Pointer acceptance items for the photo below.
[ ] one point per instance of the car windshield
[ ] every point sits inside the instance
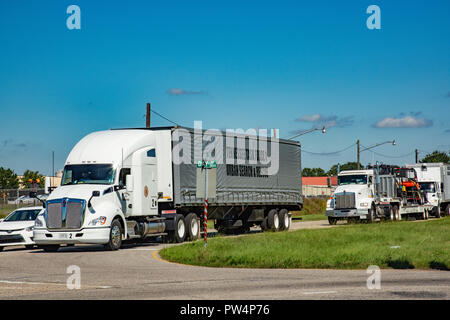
(352, 179)
(88, 174)
(23, 215)
(427, 186)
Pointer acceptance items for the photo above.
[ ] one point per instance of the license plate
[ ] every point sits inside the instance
(65, 236)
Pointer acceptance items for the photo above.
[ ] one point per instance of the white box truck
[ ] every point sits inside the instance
(434, 180)
(381, 192)
(124, 184)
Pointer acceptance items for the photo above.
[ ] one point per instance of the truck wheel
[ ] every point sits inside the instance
(285, 221)
(193, 228)
(332, 220)
(179, 234)
(371, 214)
(115, 236)
(273, 220)
(1, 248)
(447, 210)
(263, 224)
(438, 212)
(396, 213)
(391, 214)
(50, 247)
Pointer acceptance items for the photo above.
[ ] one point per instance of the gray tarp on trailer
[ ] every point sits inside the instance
(239, 183)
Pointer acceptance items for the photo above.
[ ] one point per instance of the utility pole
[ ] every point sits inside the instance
(417, 156)
(358, 152)
(147, 123)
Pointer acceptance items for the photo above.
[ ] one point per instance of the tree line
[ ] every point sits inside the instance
(435, 156)
(10, 180)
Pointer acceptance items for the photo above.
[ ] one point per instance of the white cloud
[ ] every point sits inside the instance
(179, 92)
(404, 122)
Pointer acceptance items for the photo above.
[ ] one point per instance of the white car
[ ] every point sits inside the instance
(17, 227)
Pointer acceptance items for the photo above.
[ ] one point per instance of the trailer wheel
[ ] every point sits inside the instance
(179, 234)
(332, 220)
(115, 236)
(447, 210)
(285, 221)
(273, 220)
(193, 227)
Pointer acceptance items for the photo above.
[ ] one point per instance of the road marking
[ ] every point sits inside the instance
(319, 292)
(26, 282)
(49, 283)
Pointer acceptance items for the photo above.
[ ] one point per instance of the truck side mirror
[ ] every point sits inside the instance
(129, 183)
(95, 193)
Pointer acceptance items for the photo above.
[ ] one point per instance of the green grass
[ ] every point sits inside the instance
(423, 245)
(313, 209)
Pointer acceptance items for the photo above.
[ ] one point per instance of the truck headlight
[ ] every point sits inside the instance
(364, 204)
(98, 221)
(29, 229)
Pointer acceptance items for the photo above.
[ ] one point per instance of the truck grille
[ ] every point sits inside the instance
(345, 200)
(65, 213)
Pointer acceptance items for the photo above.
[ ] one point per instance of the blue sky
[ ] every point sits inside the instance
(291, 65)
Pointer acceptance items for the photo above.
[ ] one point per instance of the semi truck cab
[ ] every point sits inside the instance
(109, 184)
(353, 197)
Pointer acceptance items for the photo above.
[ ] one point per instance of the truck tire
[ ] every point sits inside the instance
(50, 247)
(273, 220)
(396, 213)
(332, 220)
(1, 248)
(391, 214)
(371, 214)
(115, 236)
(437, 214)
(285, 221)
(193, 227)
(179, 234)
(447, 210)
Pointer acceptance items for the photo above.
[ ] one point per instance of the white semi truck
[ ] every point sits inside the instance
(434, 180)
(125, 184)
(378, 193)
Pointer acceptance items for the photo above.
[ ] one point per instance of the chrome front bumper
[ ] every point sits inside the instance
(347, 213)
(83, 236)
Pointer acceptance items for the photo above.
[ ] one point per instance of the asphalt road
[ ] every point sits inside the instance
(137, 272)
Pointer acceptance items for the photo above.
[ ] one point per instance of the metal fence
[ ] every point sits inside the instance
(11, 199)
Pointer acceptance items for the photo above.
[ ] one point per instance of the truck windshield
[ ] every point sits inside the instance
(427, 187)
(353, 179)
(88, 174)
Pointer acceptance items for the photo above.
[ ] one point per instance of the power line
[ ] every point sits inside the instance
(329, 153)
(383, 155)
(158, 114)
